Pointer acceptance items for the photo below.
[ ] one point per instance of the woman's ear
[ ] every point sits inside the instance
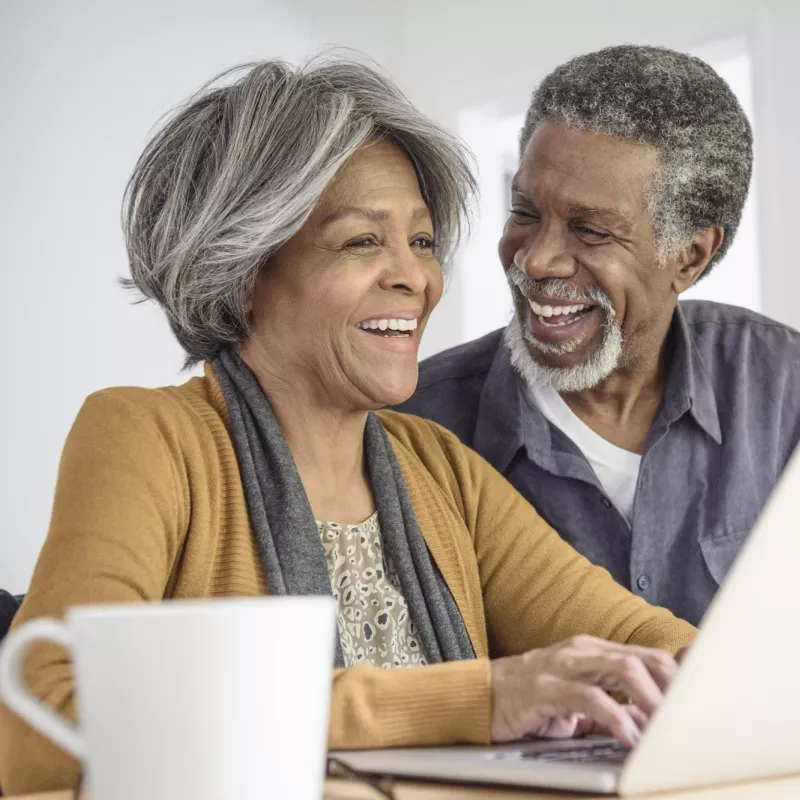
(693, 260)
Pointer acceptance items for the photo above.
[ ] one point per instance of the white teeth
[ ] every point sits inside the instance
(390, 324)
(547, 311)
(554, 311)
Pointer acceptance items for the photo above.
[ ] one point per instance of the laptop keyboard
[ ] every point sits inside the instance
(585, 753)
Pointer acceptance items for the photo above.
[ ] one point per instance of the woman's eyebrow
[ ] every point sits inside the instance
(370, 214)
(355, 211)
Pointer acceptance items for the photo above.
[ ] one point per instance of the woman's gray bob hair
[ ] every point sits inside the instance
(236, 172)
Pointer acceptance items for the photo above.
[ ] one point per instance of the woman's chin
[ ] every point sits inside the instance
(391, 391)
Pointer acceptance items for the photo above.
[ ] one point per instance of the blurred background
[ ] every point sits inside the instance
(84, 81)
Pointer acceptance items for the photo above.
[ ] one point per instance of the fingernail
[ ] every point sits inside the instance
(633, 732)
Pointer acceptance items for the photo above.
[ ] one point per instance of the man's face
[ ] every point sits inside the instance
(579, 252)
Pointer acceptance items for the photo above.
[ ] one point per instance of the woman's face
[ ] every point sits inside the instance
(341, 307)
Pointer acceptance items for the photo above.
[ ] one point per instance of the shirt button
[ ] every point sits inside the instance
(606, 502)
(643, 582)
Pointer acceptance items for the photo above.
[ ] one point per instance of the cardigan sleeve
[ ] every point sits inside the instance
(437, 704)
(115, 531)
(537, 589)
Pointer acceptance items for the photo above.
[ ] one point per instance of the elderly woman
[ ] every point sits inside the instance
(293, 226)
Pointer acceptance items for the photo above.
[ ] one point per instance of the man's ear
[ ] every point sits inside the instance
(692, 261)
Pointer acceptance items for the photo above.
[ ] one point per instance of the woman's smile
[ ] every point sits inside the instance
(396, 331)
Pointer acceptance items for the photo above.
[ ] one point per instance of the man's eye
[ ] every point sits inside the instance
(521, 215)
(592, 233)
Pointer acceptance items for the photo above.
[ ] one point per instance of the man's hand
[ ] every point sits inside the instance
(561, 691)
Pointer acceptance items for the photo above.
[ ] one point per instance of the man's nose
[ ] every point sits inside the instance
(546, 254)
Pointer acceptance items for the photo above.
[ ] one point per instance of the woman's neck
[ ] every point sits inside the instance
(325, 440)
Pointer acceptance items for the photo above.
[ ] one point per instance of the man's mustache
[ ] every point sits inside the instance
(558, 289)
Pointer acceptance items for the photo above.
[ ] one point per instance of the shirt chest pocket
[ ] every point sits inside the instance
(719, 553)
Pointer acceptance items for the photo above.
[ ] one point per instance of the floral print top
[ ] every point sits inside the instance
(374, 624)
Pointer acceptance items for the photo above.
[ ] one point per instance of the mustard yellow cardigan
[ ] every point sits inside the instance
(149, 504)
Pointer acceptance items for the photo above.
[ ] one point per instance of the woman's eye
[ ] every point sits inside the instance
(424, 242)
(521, 215)
(365, 241)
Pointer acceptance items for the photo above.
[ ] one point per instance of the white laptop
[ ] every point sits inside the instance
(732, 714)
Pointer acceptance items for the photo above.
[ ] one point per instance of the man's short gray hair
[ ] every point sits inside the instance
(679, 106)
(237, 171)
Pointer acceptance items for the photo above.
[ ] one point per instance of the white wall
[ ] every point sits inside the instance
(775, 36)
(737, 279)
(83, 84)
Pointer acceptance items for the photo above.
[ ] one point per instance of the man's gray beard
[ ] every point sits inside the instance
(583, 376)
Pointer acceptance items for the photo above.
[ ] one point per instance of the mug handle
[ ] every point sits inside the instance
(15, 693)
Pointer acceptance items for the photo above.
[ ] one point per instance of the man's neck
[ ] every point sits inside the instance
(623, 407)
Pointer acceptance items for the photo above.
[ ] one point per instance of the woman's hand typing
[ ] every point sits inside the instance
(560, 691)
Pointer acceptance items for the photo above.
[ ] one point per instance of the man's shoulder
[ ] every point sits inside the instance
(463, 362)
(450, 385)
(723, 327)
(745, 354)
(705, 315)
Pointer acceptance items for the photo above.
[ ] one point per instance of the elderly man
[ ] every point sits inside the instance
(648, 432)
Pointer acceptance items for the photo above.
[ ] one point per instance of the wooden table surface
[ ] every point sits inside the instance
(777, 789)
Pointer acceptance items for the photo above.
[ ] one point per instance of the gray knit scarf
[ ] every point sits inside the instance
(284, 524)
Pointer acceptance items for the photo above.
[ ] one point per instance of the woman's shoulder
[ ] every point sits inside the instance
(424, 445)
(422, 436)
(196, 404)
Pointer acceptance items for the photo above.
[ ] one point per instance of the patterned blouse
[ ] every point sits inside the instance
(374, 624)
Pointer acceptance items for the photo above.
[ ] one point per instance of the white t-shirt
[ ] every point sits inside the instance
(616, 469)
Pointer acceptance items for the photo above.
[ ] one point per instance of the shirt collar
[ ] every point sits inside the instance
(507, 420)
(689, 387)
(499, 431)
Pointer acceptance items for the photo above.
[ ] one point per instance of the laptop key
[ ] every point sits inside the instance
(582, 754)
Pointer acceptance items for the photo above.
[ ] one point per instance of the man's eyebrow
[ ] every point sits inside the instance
(610, 214)
(582, 210)
(370, 214)
(516, 190)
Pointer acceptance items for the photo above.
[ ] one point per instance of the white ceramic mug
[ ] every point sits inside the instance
(198, 699)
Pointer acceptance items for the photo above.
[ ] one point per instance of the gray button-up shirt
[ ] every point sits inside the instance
(726, 426)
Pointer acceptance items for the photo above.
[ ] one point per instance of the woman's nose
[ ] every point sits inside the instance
(407, 272)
